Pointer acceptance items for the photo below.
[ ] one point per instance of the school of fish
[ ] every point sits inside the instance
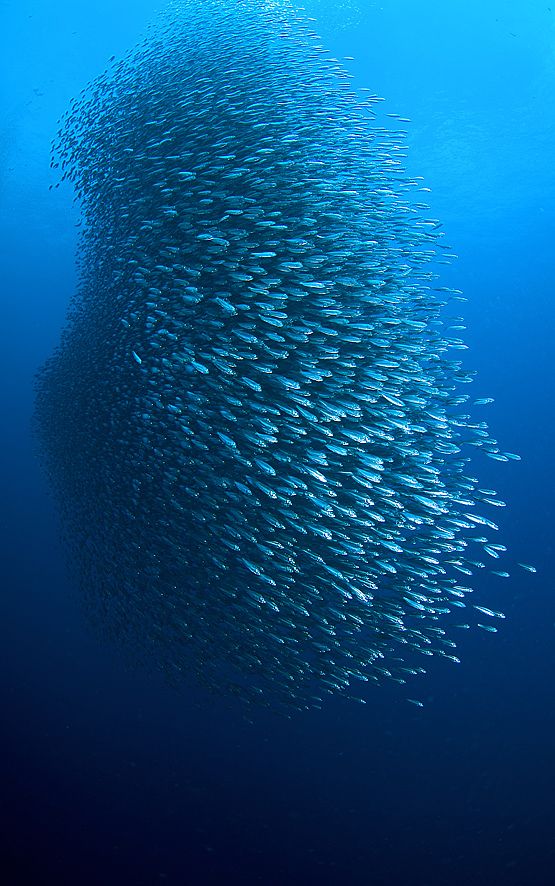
(256, 422)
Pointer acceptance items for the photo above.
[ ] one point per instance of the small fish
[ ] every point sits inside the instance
(528, 567)
(279, 502)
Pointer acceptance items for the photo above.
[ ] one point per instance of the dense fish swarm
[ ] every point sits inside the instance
(254, 421)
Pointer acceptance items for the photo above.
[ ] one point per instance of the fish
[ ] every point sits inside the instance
(527, 567)
(254, 423)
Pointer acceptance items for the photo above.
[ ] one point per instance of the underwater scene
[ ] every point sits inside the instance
(277, 491)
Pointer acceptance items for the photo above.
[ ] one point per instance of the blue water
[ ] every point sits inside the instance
(109, 776)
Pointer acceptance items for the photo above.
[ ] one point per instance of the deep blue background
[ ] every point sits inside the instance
(110, 777)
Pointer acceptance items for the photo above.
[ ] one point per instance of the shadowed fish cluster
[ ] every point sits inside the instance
(254, 420)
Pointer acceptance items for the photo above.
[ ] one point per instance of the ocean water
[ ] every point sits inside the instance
(109, 775)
